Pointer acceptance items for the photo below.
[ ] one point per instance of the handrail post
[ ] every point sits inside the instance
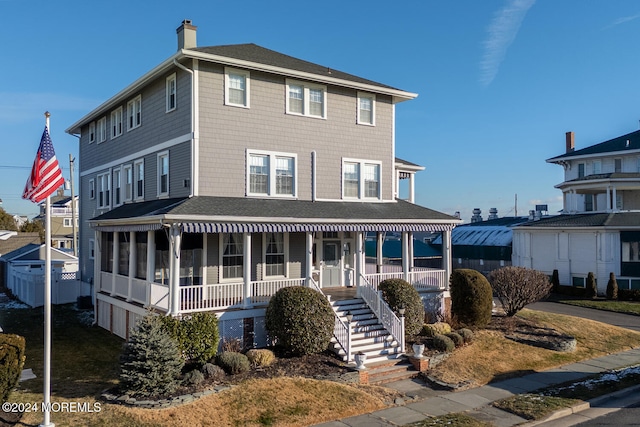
(402, 331)
(348, 341)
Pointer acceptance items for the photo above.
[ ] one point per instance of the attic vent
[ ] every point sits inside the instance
(627, 144)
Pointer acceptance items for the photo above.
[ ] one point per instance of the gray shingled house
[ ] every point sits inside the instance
(228, 172)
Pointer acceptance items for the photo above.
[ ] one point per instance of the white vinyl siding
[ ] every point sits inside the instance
(237, 84)
(134, 113)
(171, 92)
(306, 99)
(271, 174)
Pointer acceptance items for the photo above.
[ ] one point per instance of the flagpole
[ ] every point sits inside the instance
(47, 309)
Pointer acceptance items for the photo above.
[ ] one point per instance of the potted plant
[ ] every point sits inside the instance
(418, 349)
(360, 358)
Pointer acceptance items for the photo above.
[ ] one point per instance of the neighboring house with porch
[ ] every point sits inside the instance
(599, 228)
(61, 219)
(228, 172)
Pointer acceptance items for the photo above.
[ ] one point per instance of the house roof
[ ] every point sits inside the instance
(613, 146)
(18, 241)
(248, 56)
(607, 176)
(612, 220)
(494, 232)
(254, 210)
(37, 252)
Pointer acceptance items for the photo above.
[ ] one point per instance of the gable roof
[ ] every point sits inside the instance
(248, 56)
(37, 252)
(18, 241)
(613, 146)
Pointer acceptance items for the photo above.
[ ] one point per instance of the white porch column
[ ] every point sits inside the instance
(175, 246)
(410, 247)
(246, 268)
(446, 256)
(132, 262)
(114, 263)
(608, 199)
(412, 188)
(614, 199)
(151, 263)
(405, 255)
(359, 263)
(308, 258)
(379, 244)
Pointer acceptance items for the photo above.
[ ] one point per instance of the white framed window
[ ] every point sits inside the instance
(581, 168)
(171, 91)
(306, 99)
(104, 190)
(92, 189)
(366, 109)
(617, 165)
(92, 248)
(134, 113)
(163, 173)
(117, 187)
(231, 256)
(66, 222)
(275, 254)
(127, 176)
(597, 167)
(138, 179)
(102, 130)
(92, 132)
(236, 87)
(116, 122)
(271, 174)
(361, 179)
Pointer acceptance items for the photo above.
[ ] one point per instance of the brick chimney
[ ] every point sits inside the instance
(186, 35)
(571, 141)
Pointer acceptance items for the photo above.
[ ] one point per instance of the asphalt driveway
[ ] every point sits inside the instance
(627, 321)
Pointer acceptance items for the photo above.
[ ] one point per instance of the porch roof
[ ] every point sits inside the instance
(231, 214)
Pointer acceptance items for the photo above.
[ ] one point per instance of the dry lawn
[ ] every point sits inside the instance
(492, 356)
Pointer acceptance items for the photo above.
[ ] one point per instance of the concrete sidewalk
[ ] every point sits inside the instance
(425, 402)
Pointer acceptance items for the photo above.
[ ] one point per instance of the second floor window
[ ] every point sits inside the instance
(366, 110)
(139, 179)
(171, 93)
(102, 130)
(117, 187)
(163, 174)
(134, 113)
(271, 174)
(236, 87)
(104, 190)
(597, 166)
(361, 179)
(617, 164)
(127, 172)
(306, 99)
(116, 123)
(92, 132)
(92, 189)
(351, 179)
(580, 170)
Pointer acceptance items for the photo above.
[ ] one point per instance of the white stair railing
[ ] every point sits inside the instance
(341, 330)
(384, 313)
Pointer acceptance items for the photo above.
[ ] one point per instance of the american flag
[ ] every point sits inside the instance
(46, 175)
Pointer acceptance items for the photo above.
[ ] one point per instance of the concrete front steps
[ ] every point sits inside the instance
(368, 335)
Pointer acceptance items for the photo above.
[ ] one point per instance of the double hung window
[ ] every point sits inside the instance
(116, 123)
(102, 130)
(271, 174)
(104, 190)
(232, 256)
(163, 174)
(274, 262)
(138, 167)
(134, 112)
(366, 109)
(306, 99)
(361, 179)
(237, 84)
(171, 91)
(117, 187)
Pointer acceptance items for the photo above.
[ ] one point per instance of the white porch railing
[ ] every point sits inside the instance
(373, 298)
(211, 297)
(262, 291)
(341, 330)
(421, 278)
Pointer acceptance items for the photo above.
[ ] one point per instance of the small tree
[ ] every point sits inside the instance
(516, 287)
(612, 287)
(555, 281)
(592, 286)
(12, 357)
(471, 298)
(151, 362)
(7, 222)
(196, 334)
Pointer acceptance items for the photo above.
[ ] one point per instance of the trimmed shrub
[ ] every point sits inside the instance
(300, 319)
(151, 362)
(433, 329)
(555, 281)
(260, 357)
(471, 298)
(212, 372)
(629, 294)
(443, 343)
(12, 357)
(456, 338)
(196, 334)
(194, 377)
(400, 294)
(233, 363)
(516, 287)
(592, 287)
(612, 287)
(466, 334)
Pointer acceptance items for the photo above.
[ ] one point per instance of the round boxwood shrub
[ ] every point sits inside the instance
(260, 357)
(233, 363)
(471, 298)
(456, 338)
(466, 334)
(443, 343)
(194, 377)
(400, 294)
(300, 319)
(433, 329)
(212, 372)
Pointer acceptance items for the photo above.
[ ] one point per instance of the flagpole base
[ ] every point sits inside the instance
(47, 425)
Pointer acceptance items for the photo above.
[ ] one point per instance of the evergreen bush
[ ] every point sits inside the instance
(194, 377)
(466, 334)
(612, 287)
(12, 357)
(555, 281)
(150, 363)
(233, 363)
(433, 329)
(443, 343)
(197, 335)
(400, 294)
(592, 287)
(260, 357)
(213, 372)
(516, 287)
(471, 298)
(456, 338)
(300, 320)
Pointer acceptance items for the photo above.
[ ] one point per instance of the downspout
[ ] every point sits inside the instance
(195, 152)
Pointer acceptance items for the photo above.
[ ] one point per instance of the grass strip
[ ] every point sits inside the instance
(625, 307)
(534, 406)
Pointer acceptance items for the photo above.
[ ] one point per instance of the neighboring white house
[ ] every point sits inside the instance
(599, 228)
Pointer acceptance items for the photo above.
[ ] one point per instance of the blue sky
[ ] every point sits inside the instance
(499, 81)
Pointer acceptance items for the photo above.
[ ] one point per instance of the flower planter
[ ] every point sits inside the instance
(360, 359)
(418, 349)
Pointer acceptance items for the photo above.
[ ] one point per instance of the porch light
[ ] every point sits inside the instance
(349, 317)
